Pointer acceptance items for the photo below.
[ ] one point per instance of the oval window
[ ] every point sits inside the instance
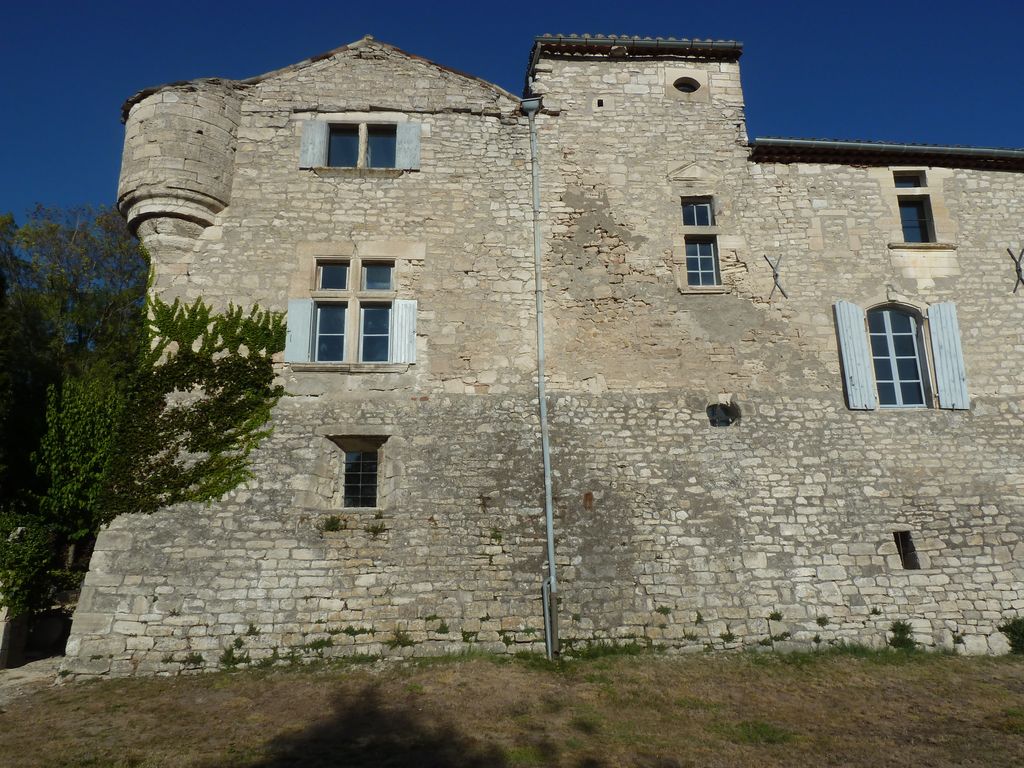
(686, 85)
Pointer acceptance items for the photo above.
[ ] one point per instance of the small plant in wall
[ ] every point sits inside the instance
(902, 636)
(332, 524)
(400, 639)
(1014, 631)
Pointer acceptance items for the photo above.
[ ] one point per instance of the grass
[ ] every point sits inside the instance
(846, 706)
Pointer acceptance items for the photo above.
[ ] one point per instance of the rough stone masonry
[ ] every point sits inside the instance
(841, 449)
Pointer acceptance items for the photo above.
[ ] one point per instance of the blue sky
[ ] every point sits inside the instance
(934, 72)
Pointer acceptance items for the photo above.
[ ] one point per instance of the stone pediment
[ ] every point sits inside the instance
(694, 171)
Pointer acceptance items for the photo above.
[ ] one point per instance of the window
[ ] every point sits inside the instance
(916, 220)
(884, 359)
(916, 210)
(353, 316)
(896, 355)
(361, 478)
(700, 243)
(701, 262)
(698, 213)
(906, 550)
(360, 145)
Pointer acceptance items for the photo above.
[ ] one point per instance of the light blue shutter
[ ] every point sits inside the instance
(948, 357)
(853, 346)
(407, 146)
(313, 150)
(299, 329)
(403, 332)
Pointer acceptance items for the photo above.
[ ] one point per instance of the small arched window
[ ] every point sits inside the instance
(897, 357)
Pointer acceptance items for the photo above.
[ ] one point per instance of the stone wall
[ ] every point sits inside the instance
(669, 530)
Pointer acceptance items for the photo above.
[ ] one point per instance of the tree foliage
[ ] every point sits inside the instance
(110, 404)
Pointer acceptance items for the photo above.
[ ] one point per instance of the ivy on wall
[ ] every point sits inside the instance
(196, 408)
(180, 427)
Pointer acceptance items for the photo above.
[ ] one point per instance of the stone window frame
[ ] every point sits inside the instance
(305, 294)
(355, 298)
(700, 234)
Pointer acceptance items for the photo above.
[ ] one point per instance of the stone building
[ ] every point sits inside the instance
(782, 376)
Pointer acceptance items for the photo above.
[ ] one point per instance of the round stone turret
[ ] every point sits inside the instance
(179, 153)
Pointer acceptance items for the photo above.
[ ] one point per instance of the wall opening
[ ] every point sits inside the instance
(723, 414)
(907, 551)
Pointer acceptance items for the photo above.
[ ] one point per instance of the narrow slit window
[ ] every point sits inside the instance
(907, 552)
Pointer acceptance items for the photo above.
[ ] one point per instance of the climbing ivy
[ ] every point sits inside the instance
(180, 427)
(196, 407)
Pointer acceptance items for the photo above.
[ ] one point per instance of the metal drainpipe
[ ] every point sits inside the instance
(531, 107)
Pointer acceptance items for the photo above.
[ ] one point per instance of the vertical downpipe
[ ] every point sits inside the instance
(550, 593)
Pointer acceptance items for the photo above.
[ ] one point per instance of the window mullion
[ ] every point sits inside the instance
(363, 145)
(890, 343)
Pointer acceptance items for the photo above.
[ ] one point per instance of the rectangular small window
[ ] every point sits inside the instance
(698, 212)
(333, 276)
(377, 276)
(702, 262)
(905, 547)
(361, 478)
(330, 332)
(381, 141)
(908, 179)
(343, 148)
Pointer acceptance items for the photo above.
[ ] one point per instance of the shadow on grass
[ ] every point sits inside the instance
(365, 730)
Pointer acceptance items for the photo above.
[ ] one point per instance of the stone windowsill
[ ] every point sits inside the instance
(350, 367)
(360, 173)
(923, 246)
(709, 290)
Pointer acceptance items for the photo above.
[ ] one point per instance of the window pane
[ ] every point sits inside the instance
(883, 369)
(879, 346)
(907, 367)
(886, 394)
(905, 180)
(911, 392)
(343, 150)
(330, 349)
(876, 322)
(380, 146)
(689, 215)
(901, 322)
(375, 349)
(334, 277)
(903, 345)
(377, 277)
(332, 318)
(376, 320)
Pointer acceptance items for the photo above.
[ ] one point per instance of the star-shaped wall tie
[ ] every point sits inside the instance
(1017, 265)
(775, 277)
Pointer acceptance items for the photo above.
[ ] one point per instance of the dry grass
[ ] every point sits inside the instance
(831, 709)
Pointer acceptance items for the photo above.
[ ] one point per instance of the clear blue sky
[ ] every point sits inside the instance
(936, 72)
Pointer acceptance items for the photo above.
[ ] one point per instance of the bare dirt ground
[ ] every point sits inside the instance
(827, 709)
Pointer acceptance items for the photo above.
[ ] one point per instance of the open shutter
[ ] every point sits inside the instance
(299, 329)
(856, 357)
(407, 146)
(948, 357)
(403, 332)
(313, 150)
